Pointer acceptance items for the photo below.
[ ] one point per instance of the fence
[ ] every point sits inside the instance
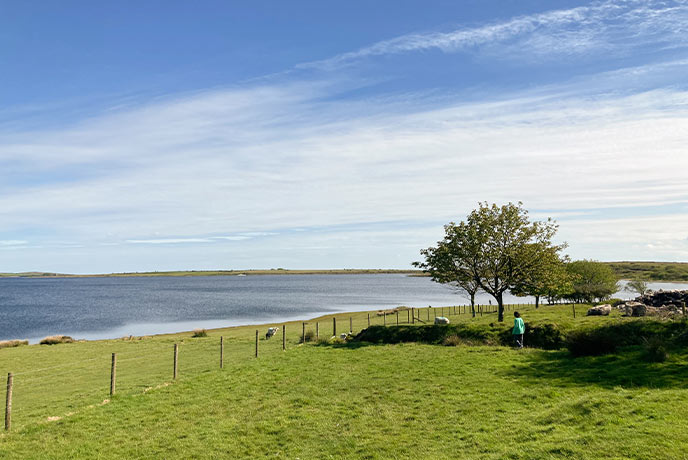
(136, 365)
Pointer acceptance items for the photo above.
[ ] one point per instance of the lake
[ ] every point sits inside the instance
(111, 307)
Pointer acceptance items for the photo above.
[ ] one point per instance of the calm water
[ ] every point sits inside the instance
(96, 308)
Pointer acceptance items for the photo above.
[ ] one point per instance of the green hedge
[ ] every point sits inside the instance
(547, 336)
(582, 342)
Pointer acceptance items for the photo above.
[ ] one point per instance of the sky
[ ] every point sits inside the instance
(165, 135)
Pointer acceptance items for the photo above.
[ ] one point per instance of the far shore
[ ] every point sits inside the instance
(275, 271)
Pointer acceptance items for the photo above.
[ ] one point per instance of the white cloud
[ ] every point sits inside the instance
(233, 238)
(171, 241)
(12, 242)
(600, 26)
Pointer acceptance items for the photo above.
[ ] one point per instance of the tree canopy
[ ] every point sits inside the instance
(591, 281)
(497, 248)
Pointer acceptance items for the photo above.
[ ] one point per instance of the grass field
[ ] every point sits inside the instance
(344, 401)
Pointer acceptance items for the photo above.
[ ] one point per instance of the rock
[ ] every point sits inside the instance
(632, 308)
(600, 310)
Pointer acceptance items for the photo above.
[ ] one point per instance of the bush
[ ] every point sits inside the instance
(55, 339)
(200, 333)
(654, 350)
(13, 343)
(546, 336)
(309, 337)
(452, 341)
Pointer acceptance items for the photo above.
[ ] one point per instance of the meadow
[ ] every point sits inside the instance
(353, 400)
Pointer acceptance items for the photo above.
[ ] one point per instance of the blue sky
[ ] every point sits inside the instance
(170, 135)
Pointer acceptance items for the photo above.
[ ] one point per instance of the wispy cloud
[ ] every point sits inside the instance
(233, 238)
(283, 157)
(12, 242)
(171, 241)
(601, 26)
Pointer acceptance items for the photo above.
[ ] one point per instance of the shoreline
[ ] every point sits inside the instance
(190, 273)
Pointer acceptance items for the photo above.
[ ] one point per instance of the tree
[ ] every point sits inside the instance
(547, 278)
(443, 263)
(591, 281)
(638, 286)
(496, 247)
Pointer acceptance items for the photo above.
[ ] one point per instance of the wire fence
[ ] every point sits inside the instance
(135, 366)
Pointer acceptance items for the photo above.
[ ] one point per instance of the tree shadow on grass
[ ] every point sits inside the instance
(628, 368)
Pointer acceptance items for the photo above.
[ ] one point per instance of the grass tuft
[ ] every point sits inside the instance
(55, 339)
(13, 343)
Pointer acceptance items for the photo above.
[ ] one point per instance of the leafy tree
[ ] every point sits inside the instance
(591, 281)
(547, 278)
(496, 247)
(443, 263)
(638, 286)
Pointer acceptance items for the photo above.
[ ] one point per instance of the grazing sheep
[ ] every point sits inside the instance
(600, 310)
(441, 320)
(271, 331)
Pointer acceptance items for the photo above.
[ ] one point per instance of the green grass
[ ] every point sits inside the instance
(345, 401)
(651, 271)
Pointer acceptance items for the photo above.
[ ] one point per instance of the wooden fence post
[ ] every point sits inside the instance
(303, 332)
(368, 319)
(317, 330)
(222, 352)
(334, 326)
(284, 337)
(351, 325)
(113, 374)
(683, 307)
(408, 316)
(384, 318)
(256, 343)
(429, 313)
(8, 402)
(413, 315)
(176, 360)
(397, 317)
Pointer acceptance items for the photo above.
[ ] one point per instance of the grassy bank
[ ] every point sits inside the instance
(358, 400)
(651, 271)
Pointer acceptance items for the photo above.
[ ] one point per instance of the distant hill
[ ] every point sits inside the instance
(651, 271)
(275, 271)
(648, 271)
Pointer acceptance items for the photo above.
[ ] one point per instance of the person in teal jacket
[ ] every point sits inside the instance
(519, 329)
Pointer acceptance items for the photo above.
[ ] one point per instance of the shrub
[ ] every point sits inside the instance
(654, 350)
(452, 341)
(13, 343)
(546, 336)
(309, 336)
(200, 333)
(55, 339)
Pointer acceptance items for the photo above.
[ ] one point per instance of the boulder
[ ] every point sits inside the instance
(600, 310)
(635, 309)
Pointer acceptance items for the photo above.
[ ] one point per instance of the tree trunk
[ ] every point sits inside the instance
(500, 302)
(473, 304)
(537, 302)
